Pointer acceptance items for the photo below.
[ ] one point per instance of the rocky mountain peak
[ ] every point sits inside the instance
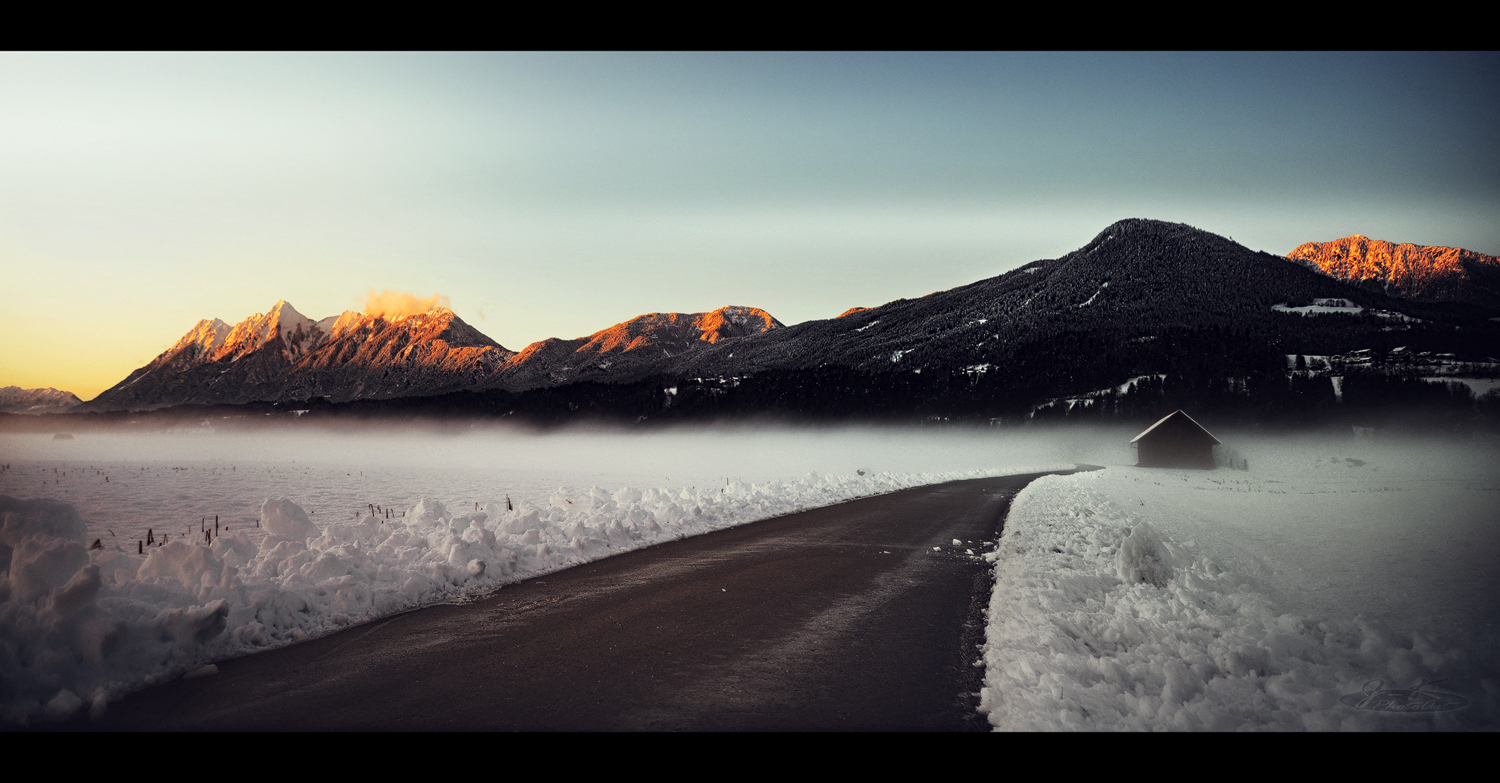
(1426, 273)
(203, 339)
(734, 321)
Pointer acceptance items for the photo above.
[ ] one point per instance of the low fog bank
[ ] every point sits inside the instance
(131, 482)
(746, 446)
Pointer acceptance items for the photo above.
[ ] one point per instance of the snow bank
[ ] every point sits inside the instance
(1282, 598)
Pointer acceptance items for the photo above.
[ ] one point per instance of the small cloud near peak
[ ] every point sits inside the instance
(397, 304)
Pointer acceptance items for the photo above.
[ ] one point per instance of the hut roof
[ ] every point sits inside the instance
(1181, 423)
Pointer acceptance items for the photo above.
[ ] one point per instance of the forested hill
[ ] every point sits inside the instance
(1135, 280)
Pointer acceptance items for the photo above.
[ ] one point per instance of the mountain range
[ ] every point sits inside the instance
(1115, 307)
(284, 355)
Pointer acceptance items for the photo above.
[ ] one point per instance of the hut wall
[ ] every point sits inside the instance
(1175, 453)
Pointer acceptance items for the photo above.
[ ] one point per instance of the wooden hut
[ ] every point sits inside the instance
(1175, 442)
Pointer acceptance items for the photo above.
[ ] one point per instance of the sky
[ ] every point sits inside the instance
(556, 194)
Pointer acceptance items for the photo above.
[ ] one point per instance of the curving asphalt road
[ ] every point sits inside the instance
(859, 616)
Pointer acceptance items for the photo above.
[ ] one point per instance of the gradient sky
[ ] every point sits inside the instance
(554, 195)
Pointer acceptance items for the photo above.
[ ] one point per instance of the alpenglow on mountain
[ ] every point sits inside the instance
(627, 351)
(283, 355)
(1419, 272)
(1143, 297)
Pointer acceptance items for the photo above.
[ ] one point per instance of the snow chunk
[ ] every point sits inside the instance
(426, 513)
(191, 565)
(1141, 558)
(283, 519)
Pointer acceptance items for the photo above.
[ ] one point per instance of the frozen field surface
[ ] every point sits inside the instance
(1315, 591)
(318, 529)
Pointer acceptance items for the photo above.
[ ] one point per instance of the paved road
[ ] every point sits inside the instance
(859, 616)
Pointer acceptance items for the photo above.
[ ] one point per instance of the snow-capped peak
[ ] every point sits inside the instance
(205, 337)
(297, 332)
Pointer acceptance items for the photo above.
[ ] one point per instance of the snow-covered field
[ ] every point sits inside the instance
(1330, 579)
(1125, 598)
(321, 529)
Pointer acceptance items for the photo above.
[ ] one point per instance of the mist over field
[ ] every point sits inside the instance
(1389, 541)
(171, 478)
